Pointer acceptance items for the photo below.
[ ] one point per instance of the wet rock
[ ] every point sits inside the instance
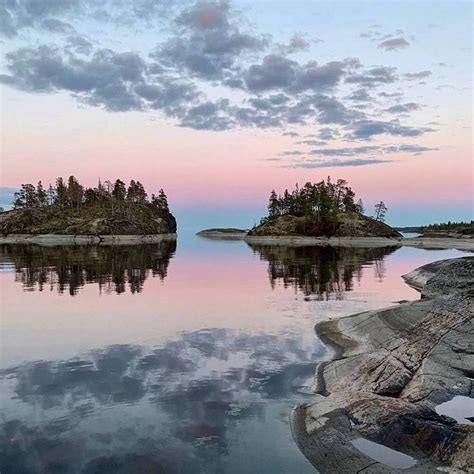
(391, 369)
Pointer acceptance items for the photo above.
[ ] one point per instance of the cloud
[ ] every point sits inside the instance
(208, 41)
(311, 142)
(394, 44)
(415, 76)
(57, 26)
(79, 44)
(366, 129)
(374, 76)
(360, 95)
(290, 134)
(404, 108)
(370, 149)
(296, 44)
(328, 133)
(115, 81)
(337, 163)
(210, 70)
(279, 72)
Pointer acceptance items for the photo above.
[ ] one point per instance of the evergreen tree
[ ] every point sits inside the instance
(75, 192)
(380, 211)
(41, 195)
(273, 205)
(51, 195)
(119, 192)
(62, 199)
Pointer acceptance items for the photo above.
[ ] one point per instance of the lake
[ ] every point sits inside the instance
(176, 357)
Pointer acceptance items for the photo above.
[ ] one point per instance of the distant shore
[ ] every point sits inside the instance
(427, 242)
(56, 239)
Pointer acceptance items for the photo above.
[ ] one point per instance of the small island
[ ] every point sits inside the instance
(72, 213)
(323, 210)
(230, 233)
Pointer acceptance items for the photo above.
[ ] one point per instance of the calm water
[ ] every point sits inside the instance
(173, 358)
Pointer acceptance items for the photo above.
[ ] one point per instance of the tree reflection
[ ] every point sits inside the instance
(69, 268)
(325, 272)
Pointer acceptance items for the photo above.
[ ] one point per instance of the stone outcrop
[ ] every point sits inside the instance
(345, 225)
(89, 220)
(391, 369)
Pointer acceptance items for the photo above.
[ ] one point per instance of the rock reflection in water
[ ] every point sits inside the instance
(176, 408)
(325, 272)
(69, 268)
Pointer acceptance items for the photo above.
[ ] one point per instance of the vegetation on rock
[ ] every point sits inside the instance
(70, 208)
(322, 209)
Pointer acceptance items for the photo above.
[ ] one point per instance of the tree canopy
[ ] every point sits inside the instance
(71, 194)
(322, 201)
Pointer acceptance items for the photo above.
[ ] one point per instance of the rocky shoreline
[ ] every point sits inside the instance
(426, 243)
(390, 371)
(57, 239)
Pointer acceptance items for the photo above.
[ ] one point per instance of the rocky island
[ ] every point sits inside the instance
(381, 399)
(72, 213)
(323, 212)
(327, 213)
(230, 233)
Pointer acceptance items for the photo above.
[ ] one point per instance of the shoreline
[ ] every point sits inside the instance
(62, 239)
(368, 242)
(390, 369)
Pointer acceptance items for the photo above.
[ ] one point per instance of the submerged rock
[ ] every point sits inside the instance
(392, 368)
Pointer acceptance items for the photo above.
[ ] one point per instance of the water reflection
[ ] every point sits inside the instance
(325, 272)
(181, 407)
(69, 268)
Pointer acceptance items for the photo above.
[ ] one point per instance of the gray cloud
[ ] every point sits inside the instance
(415, 76)
(79, 44)
(360, 95)
(207, 46)
(365, 129)
(374, 76)
(404, 108)
(115, 81)
(296, 44)
(208, 42)
(54, 25)
(328, 133)
(370, 149)
(290, 134)
(311, 142)
(279, 72)
(337, 163)
(394, 44)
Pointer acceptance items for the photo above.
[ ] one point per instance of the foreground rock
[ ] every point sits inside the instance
(392, 368)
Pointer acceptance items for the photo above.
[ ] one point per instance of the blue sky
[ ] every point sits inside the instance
(221, 101)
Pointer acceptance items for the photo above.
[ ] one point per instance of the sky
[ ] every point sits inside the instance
(219, 102)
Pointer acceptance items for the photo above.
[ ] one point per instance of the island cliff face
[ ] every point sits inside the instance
(343, 225)
(137, 219)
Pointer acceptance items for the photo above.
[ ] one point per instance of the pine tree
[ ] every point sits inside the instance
(41, 195)
(119, 192)
(62, 199)
(273, 205)
(380, 211)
